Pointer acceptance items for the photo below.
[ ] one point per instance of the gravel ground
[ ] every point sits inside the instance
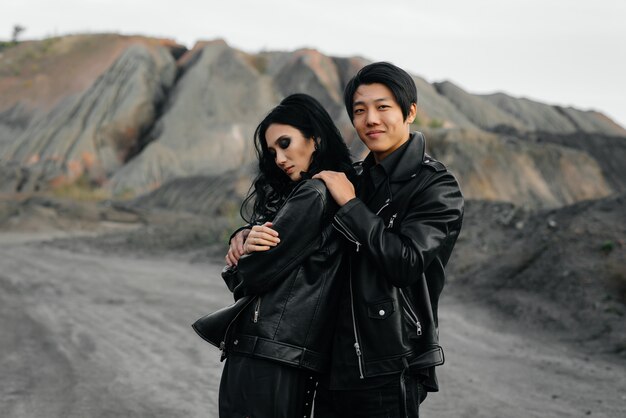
(89, 334)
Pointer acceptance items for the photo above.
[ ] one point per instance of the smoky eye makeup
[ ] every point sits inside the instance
(284, 143)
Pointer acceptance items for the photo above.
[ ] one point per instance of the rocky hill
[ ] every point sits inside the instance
(556, 270)
(132, 113)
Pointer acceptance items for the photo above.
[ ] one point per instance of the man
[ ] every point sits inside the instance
(400, 222)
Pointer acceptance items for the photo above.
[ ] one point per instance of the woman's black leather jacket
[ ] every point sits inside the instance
(294, 285)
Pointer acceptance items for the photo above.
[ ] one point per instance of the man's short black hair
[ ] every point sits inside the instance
(394, 78)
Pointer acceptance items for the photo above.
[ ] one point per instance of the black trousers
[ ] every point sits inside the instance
(257, 388)
(382, 402)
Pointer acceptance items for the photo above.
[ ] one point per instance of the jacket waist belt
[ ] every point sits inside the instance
(275, 350)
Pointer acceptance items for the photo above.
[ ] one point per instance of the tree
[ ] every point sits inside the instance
(17, 30)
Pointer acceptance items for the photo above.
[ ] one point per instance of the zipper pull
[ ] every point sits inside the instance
(359, 359)
(223, 346)
(358, 245)
(257, 309)
(419, 328)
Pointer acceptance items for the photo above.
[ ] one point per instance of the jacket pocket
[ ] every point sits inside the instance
(410, 313)
(381, 310)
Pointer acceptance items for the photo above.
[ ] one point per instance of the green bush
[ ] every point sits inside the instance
(435, 123)
(607, 247)
(6, 45)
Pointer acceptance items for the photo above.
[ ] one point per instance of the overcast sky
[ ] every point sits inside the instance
(564, 52)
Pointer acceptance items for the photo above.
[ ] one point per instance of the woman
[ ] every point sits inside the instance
(282, 337)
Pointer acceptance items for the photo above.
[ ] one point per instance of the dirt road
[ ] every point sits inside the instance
(92, 335)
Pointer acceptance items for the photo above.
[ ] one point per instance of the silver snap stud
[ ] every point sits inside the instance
(381, 312)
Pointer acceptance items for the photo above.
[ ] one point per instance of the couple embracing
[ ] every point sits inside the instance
(337, 275)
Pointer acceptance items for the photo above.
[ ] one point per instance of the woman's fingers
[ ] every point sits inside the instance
(251, 248)
(231, 260)
(236, 244)
(262, 235)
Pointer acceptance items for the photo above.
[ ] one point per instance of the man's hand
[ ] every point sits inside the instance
(338, 185)
(259, 238)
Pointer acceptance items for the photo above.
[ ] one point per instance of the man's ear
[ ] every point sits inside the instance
(412, 113)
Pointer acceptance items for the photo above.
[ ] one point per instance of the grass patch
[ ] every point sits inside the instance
(435, 123)
(607, 247)
(82, 189)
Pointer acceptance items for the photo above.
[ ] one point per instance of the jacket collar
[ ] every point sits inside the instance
(401, 165)
(405, 162)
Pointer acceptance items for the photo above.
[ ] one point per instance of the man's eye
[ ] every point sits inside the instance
(383, 106)
(358, 111)
(284, 143)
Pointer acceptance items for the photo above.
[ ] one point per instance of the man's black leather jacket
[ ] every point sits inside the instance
(295, 285)
(402, 238)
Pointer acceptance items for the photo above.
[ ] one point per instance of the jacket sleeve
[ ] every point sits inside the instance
(432, 223)
(299, 225)
(229, 273)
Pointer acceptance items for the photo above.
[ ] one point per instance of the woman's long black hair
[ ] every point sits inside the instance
(272, 186)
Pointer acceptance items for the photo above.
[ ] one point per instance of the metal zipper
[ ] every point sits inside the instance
(357, 347)
(346, 234)
(257, 310)
(414, 316)
(384, 206)
(393, 218)
(222, 346)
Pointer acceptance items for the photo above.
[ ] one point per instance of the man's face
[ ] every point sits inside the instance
(378, 120)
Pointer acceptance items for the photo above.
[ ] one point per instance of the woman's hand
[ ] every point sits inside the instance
(235, 250)
(246, 241)
(261, 238)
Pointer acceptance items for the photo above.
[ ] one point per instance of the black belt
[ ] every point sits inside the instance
(432, 357)
(275, 350)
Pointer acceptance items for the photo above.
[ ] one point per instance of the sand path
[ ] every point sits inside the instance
(92, 335)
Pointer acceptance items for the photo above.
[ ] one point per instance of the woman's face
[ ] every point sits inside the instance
(291, 150)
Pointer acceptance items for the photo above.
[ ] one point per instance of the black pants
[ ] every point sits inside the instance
(382, 402)
(256, 388)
